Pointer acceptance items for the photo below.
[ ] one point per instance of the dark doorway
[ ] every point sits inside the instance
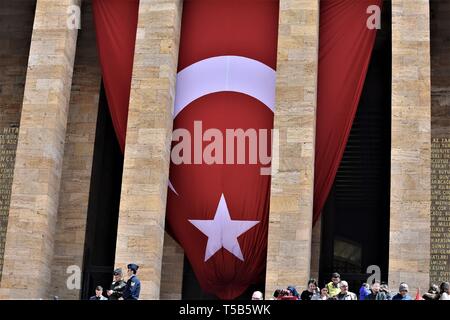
(355, 219)
(104, 199)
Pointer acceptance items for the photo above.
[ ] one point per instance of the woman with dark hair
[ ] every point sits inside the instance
(312, 290)
(322, 296)
(445, 291)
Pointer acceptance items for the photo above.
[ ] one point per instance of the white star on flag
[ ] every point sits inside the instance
(222, 231)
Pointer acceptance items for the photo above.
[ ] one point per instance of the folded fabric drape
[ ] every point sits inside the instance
(115, 26)
(345, 49)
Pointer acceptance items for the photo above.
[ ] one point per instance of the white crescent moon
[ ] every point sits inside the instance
(224, 73)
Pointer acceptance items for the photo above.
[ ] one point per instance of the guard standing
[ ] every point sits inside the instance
(133, 287)
(118, 286)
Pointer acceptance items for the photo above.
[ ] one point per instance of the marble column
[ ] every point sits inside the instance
(37, 172)
(409, 243)
(140, 235)
(78, 156)
(172, 270)
(291, 203)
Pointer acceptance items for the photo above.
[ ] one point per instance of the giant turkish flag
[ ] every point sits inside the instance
(218, 212)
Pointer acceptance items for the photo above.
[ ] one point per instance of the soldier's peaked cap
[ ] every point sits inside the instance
(133, 266)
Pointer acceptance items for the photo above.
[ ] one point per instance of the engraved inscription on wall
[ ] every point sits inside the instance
(440, 214)
(8, 144)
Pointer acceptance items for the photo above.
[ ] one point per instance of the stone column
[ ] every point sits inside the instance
(140, 235)
(172, 270)
(409, 248)
(315, 249)
(37, 172)
(291, 203)
(78, 156)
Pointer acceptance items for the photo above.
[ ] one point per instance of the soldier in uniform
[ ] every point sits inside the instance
(133, 287)
(117, 286)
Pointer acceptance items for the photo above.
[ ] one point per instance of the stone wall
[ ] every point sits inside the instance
(315, 249)
(16, 24)
(172, 270)
(440, 133)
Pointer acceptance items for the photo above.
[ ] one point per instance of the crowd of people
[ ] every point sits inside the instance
(338, 289)
(119, 289)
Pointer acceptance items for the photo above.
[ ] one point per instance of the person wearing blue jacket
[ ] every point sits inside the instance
(364, 291)
(133, 288)
(403, 293)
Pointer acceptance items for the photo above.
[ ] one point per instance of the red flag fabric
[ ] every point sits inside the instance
(115, 26)
(418, 296)
(345, 49)
(219, 212)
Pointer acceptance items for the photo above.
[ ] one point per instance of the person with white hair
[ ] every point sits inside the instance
(257, 295)
(445, 291)
(345, 294)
